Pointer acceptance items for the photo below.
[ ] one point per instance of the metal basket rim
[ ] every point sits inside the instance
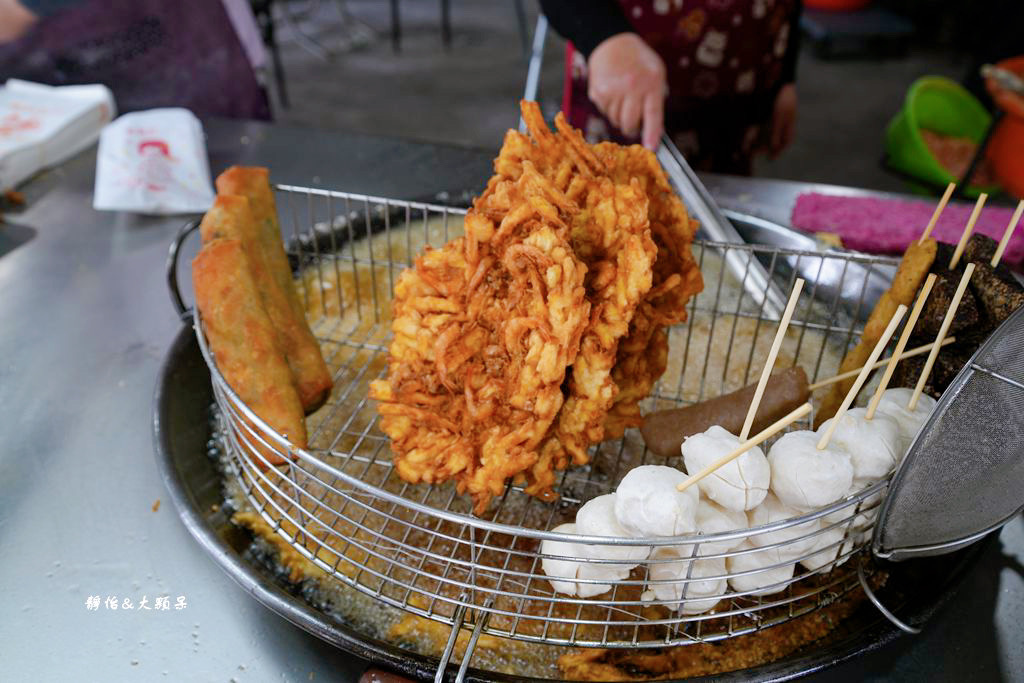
(310, 458)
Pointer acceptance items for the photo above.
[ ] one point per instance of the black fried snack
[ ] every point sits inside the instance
(947, 366)
(967, 315)
(943, 254)
(998, 293)
(979, 248)
(993, 294)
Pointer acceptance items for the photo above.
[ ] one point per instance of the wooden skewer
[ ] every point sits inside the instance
(908, 329)
(938, 211)
(772, 355)
(863, 376)
(1007, 234)
(943, 329)
(916, 351)
(968, 229)
(758, 438)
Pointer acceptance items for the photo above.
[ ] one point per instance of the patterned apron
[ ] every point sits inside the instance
(723, 61)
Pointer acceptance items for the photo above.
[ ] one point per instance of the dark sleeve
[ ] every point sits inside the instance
(793, 48)
(586, 23)
(44, 8)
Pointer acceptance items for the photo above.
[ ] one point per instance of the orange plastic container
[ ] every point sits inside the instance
(1006, 146)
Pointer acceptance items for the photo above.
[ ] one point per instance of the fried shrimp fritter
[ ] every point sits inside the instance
(643, 355)
(484, 330)
(534, 337)
(611, 235)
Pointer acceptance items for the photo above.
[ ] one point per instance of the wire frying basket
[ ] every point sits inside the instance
(342, 507)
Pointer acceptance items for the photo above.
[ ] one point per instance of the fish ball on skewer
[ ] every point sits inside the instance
(648, 504)
(894, 404)
(874, 445)
(771, 570)
(803, 476)
(691, 596)
(738, 485)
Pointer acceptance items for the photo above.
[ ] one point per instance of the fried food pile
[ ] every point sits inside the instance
(534, 336)
(251, 312)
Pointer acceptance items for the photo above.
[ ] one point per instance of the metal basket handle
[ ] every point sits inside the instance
(184, 312)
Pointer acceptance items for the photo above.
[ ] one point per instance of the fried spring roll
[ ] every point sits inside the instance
(312, 377)
(244, 343)
(231, 217)
(665, 430)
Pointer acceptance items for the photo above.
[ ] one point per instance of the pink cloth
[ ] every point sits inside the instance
(890, 225)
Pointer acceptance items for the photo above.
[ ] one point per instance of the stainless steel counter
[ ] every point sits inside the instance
(84, 322)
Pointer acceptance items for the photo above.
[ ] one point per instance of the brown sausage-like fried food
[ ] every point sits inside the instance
(244, 343)
(311, 375)
(665, 430)
(912, 271)
(230, 217)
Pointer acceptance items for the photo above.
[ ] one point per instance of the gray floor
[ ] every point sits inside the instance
(468, 94)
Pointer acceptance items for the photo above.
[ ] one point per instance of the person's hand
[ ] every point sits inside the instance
(15, 20)
(627, 83)
(783, 120)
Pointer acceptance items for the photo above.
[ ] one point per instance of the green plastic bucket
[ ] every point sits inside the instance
(941, 105)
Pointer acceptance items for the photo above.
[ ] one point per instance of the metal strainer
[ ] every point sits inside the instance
(963, 476)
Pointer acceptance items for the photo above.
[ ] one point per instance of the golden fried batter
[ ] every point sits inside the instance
(475, 388)
(910, 275)
(484, 330)
(643, 355)
(611, 235)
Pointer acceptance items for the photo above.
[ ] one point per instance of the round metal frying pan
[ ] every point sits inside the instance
(181, 430)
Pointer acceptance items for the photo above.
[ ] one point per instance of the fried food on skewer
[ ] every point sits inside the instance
(913, 268)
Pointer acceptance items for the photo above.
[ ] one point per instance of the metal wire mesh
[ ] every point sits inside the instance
(962, 474)
(341, 505)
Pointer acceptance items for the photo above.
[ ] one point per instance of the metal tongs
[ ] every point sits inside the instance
(698, 200)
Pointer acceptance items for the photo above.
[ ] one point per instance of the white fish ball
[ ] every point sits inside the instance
(798, 539)
(738, 485)
(874, 445)
(805, 477)
(556, 568)
(694, 594)
(648, 504)
(831, 544)
(771, 570)
(894, 404)
(597, 518)
(713, 519)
